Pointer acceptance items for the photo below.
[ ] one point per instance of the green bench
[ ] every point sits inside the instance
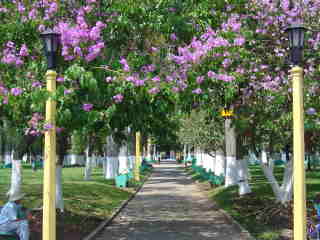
(8, 236)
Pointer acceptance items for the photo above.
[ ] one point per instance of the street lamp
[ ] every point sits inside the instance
(51, 44)
(296, 41)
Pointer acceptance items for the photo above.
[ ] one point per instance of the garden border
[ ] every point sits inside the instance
(115, 213)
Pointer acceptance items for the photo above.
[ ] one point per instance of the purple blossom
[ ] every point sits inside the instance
(239, 41)
(18, 62)
(68, 91)
(36, 84)
(154, 90)
(23, 51)
(4, 10)
(60, 79)
(32, 14)
(78, 51)
(212, 74)
(151, 68)
(169, 78)
(95, 33)
(175, 89)
(32, 132)
(48, 126)
(91, 56)
(10, 44)
(16, 91)
(59, 129)
(156, 79)
(118, 98)
(311, 111)
(21, 7)
(9, 58)
(197, 91)
(87, 107)
(138, 82)
(5, 100)
(125, 65)
(240, 70)
(200, 79)
(100, 24)
(109, 79)
(226, 62)
(154, 49)
(173, 37)
(225, 78)
(87, 9)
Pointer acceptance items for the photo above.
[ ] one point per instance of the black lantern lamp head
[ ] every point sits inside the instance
(296, 41)
(51, 44)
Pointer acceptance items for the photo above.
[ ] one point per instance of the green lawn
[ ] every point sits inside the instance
(86, 202)
(254, 211)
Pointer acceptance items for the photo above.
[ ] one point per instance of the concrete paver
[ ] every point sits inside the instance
(171, 207)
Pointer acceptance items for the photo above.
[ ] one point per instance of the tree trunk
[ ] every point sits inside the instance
(282, 193)
(112, 158)
(88, 167)
(123, 158)
(59, 192)
(231, 165)
(149, 149)
(16, 178)
(244, 187)
(63, 143)
(220, 163)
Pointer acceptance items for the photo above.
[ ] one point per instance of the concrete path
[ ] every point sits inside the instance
(170, 207)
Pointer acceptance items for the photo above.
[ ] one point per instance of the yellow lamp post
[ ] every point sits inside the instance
(51, 41)
(138, 157)
(296, 39)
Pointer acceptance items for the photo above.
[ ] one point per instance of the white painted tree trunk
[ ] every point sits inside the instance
(59, 192)
(208, 162)
(282, 193)
(88, 167)
(112, 150)
(16, 177)
(231, 177)
(220, 163)
(123, 159)
(184, 152)
(188, 152)
(8, 157)
(154, 153)
(244, 187)
(104, 165)
(74, 159)
(149, 147)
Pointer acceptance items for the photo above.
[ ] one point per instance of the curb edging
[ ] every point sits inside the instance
(115, 213)
(244, 231)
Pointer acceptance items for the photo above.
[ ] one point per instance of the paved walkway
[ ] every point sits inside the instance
(170, 207)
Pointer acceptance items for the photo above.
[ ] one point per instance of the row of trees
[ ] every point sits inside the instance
(147, 64)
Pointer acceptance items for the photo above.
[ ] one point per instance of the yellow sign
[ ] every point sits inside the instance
(226, 113)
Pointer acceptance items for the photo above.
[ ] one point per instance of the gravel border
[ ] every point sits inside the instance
(115, 213)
